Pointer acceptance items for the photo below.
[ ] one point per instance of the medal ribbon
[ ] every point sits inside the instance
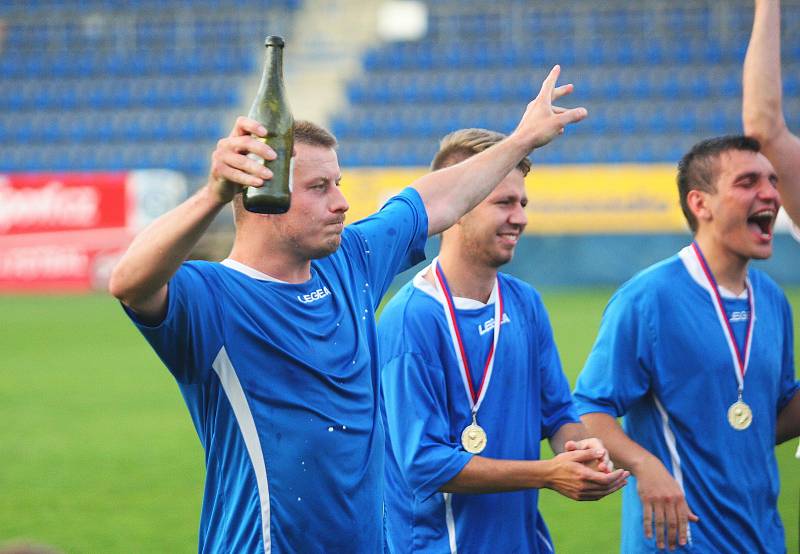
(475, 397)
(740, 359)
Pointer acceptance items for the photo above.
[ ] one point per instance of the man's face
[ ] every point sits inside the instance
(490, 232)
(741, 213)
(315, 220)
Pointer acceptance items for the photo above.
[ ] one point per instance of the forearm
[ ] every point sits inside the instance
(567, 432)
(158, 251)
(451, 192)
(762, 112)
(488, 475)
(624, 452)
(566, 473)
(788, 423)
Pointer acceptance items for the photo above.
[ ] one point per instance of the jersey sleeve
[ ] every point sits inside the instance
(617, 372)
(390, 240)
(414, 395)
(557, 406)
(190, 336)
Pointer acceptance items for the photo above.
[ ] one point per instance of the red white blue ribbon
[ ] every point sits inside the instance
(740, 359)
(446, 298)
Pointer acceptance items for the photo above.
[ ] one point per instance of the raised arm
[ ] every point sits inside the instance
(663, 501)
(451, 192)
(140, 278)
(762, 110)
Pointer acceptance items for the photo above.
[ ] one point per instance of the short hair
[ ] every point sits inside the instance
(464, 143)
(699, 167)
(305, 132)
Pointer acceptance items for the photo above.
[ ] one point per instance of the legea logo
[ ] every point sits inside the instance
(739, 316)
(488, 325)
(318, 294)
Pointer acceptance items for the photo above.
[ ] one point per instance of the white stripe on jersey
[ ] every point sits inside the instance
(669, 438)
(545, 541)
(451, 523)
(233, 390)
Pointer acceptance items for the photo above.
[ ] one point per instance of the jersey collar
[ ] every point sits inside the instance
(249, 271)
(422, 284)
(696, 272)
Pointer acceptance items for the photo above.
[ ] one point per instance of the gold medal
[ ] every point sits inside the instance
(473, 438)
(740, 416)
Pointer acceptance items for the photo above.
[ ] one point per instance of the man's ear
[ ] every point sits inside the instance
(698, 203)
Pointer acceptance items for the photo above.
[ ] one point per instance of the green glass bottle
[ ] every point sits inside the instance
(271, 109)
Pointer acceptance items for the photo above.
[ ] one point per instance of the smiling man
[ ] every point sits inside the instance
(275, 349)
(472, 383)
(696, 353)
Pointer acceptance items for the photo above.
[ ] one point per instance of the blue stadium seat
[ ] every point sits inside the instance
(121, 91)
(655, 78)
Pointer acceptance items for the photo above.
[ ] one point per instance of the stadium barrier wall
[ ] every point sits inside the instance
(552, 261)
(587, 224)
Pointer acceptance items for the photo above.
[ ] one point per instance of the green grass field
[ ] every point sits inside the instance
(98, 454)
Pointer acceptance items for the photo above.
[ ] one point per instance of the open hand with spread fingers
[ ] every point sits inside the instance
(542, 121)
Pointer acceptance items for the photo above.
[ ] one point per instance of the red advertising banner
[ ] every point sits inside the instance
(40, 202)
(64, 232)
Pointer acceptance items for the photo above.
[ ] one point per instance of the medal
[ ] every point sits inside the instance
(473, 437)
(740, 416)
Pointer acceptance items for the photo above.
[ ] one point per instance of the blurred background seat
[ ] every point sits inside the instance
(142, 77)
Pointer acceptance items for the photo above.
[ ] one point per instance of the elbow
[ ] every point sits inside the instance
(118, 287)
(763, 124)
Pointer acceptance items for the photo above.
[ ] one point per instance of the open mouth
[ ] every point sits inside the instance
(762, 222)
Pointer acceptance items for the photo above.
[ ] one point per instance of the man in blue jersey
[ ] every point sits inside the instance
(467, 400)
(696, 353)
(274, 349)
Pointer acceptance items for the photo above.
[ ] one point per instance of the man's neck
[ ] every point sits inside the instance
(728, 268)
(467, 279)
(271, 259)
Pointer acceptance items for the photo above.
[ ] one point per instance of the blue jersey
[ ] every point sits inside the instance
(426, 407)
(661, 360)
(282, 385)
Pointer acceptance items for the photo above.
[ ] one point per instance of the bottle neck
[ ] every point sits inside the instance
(273, 71)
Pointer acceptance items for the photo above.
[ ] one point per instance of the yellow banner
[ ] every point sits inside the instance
(604, 199)
(367, 189)
(622, 198)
